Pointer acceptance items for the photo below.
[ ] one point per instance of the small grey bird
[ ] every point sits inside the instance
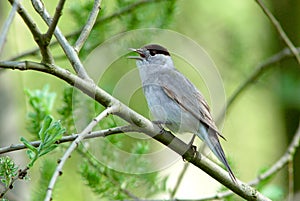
(174, 100)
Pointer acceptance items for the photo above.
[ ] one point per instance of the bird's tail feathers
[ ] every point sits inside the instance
(211, 139)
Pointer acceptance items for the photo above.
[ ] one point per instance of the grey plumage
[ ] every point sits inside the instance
(173, 99)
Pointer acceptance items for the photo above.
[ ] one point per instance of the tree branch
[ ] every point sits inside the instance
(115, 15)
(67, 48)
(278, 165)
(146, 126)
(280, 30)
(259, 71)
(70, 138)
(291, 180)
(85, 132)
(7, 24)
(88, 26)
(21, 175)
(37, 35)
(52, 26)
(179, 180)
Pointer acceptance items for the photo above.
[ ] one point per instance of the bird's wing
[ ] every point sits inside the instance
(187, 96)
(191, 100)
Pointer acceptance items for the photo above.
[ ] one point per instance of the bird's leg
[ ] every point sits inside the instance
(193, 147)
(192, 141)
(159, 124)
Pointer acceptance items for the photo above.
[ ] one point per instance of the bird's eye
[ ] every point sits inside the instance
(153, 52)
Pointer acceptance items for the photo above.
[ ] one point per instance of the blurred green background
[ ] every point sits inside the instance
(237, 36)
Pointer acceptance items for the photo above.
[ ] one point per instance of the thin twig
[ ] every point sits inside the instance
(52, 26)
(280, 30)
(7, 24)
(257, 73)
(123, 11)
(291, 179)
(88, 26)
(67, 48)
(86, 131)
(21, 175)
(179, 180)
(70, 138)
(277, 166)
(37, 35)
(32, 52)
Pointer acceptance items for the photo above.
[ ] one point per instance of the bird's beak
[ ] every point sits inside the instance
(135, 57)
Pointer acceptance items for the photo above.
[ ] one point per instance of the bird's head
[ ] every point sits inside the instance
(152, 54)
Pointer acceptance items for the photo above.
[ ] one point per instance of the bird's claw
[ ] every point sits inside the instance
(158, 123)
(195, 153)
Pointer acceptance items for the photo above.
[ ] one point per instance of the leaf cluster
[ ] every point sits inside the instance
(8, 170)
(50, 132)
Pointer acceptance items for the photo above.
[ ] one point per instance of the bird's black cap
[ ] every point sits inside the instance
(156, 49)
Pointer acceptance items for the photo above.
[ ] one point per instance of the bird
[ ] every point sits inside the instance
(174, 101)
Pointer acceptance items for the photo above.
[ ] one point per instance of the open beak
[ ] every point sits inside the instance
(136, 57)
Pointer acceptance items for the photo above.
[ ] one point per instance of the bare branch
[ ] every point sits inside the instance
(21, 174)
(259, 71)
(52, 26)
(179, 180)
(291, 179)
(69, 138)
(88, 26)
(32, 52)
(68, 49)
(7, 24)
(115, 15)
(37, 35)
(146, 126)
(85, 132)
(290, 152)
(282, 161)
(280, 30)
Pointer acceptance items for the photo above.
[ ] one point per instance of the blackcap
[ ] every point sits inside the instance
(174, 101)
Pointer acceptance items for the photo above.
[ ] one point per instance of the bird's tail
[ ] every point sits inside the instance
(212, 140)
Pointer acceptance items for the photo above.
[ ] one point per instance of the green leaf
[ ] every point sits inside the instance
(45, 126)
(49, 133)
(8, 170)
(31, 154)
(47, 150)
(53, 133)
(27, 144)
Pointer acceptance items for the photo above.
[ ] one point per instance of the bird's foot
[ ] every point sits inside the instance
(195, 153)
(159, 123)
